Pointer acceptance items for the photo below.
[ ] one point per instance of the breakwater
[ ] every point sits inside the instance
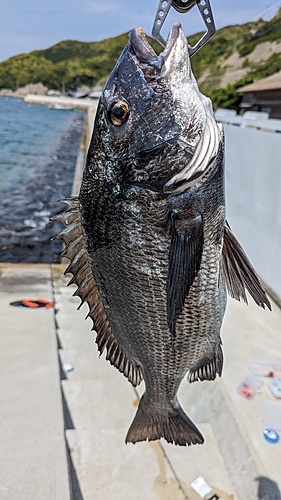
(46, 100)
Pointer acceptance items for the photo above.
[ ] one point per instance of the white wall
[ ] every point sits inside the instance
(253, 198)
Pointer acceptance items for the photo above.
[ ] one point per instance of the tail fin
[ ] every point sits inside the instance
(174, 426)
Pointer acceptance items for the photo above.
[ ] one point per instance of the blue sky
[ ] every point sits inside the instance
(27, 25)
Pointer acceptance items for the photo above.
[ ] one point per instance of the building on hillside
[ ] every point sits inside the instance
(264, 95)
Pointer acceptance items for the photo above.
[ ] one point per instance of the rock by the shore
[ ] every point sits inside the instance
(31, 88)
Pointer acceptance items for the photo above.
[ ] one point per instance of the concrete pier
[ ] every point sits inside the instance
(33, 458)
(100, 404)
(63, 101)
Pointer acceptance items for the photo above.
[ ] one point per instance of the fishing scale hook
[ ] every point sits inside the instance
(183, 6)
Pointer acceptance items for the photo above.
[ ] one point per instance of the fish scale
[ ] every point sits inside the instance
(149, 247)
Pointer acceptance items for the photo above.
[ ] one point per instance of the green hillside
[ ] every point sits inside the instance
(229, 60)
(212, 65)
(70, 62)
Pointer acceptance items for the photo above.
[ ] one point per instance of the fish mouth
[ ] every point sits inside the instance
(150, 63)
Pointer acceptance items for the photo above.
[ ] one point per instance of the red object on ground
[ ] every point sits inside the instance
(246, 392)
(33, 304)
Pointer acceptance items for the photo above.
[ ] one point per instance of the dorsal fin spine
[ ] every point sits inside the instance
(87, 290)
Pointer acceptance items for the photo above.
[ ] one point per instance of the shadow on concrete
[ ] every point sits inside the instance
(75, 491)
(68, 421)
(62, 372)
(267, 489)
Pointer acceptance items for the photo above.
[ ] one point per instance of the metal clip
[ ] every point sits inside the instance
(183, 6)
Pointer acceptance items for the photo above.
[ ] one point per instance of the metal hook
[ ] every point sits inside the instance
(183, 6)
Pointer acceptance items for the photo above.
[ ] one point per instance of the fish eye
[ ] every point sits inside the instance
(118, 113)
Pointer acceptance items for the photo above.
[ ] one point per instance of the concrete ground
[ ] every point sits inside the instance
(33, 459)
(56, 426)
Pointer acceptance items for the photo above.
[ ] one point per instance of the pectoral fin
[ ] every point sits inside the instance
(184, 262)
(239, 273)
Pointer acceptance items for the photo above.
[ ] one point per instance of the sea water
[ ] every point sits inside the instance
(38, 152)
(29, 138)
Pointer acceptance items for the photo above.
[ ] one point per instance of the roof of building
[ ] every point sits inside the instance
(270, 83)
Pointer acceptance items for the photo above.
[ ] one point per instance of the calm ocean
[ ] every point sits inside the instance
(38, 151)
(29, 137)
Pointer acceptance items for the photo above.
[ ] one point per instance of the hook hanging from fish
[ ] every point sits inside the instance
(183, 6)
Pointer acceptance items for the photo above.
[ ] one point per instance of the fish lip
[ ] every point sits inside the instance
(141, 47)
(174, 34)
(145, 53)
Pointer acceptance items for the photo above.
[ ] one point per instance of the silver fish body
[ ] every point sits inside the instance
(147, 239)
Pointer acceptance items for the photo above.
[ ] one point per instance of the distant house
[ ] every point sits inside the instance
(264, 95)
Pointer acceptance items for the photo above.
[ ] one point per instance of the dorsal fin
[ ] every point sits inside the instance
(87, 290)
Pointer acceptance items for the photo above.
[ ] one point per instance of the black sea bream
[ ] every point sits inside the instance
(149, 247)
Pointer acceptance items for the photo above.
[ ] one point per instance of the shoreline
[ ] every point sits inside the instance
(56, 103)
(32, 97)
(47, 100)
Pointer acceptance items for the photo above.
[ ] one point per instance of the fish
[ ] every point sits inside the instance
(149, 247)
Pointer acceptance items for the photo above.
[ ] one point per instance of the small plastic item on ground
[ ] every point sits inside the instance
(203, 489)
(265, 368)
(67, 367)
(271, 436)
(272, 415)
(249, 386)
(33, 304)
(274, 385)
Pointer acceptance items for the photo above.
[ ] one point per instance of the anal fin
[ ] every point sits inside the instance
(207, 369)
(87, 290)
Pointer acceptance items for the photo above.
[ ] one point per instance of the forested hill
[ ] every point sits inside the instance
(70, 62)
(236, 55)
